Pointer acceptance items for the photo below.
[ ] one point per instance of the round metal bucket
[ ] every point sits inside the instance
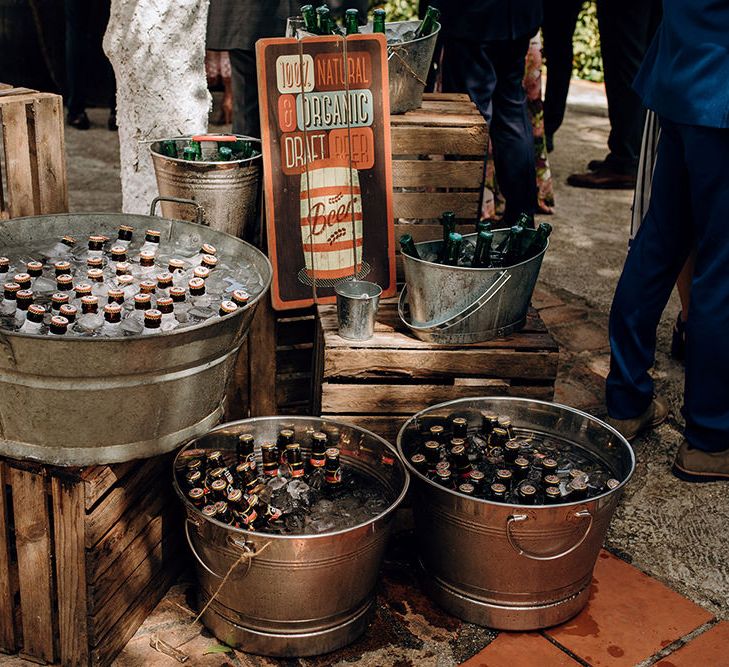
(227, 191)
(514, 567)
(294, 595)
(454, 305)
(90, 401)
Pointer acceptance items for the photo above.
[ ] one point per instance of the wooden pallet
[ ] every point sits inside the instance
(32, 159)
(381, 382)
(85, 555)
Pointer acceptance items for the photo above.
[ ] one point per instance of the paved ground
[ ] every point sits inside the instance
(671, 530)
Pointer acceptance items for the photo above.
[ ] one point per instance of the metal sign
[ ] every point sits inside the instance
(325, 125)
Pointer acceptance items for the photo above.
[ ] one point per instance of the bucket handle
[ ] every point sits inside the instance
(199, 219)
(464, 314)
(516, 518)
(244, 546)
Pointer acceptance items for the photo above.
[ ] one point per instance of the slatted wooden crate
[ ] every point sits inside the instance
(32, 159)
(381, 382)
(85, 555)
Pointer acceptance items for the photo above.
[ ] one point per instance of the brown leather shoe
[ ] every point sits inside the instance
(603, 179)
(655, 414)
(696, 465)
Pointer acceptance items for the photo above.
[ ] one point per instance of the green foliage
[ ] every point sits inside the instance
(587, 63)
(587, 60)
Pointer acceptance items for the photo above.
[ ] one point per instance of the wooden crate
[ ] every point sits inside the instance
(32, 159)
(85, 555)
(381, 382)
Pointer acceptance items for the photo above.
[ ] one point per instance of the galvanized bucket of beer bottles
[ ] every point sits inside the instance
(226, 186)
(455, 305)
(292, 595)
(506, 566)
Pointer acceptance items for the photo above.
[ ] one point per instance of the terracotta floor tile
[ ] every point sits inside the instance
(520, 649)
(630, 617)
(708, 649)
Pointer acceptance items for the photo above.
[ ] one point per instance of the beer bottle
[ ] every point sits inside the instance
(226, 308)
(62, 268)
(210, 511)
(96, 245)
(489, 421)
(576, 473)
(459, 427)
(511, 450)
(378, 21)
(34, 269)
(319, 446)
(477, 479)
(81, 290)
(437, 433)
(115, 295)
(285, 438)
(427, 25)
(448, 222)
(499, 437)
(431, 450)
(444, 477)
(323, 20)
(168, 148)
(420, 463)
(333, 469)
(34, 319)
(164, 280)
(521, 468)
(527, 494)
(189, 154)
(194, 478)
(223, 512)
(89, 304)
(466, 488)
(295, 460)
(549, 467)
(246, 475)
(240, 298)
(482, 254)
(23, 301)
(244, 449)
(146, 260)
(209, 262)
(177, 294)
(453, 249)
(498, 492)
(147, 287)
(196, 496)
(152, 321)
(248, 515)
(225, 153)
(112, 319)
(552, 495)
(505, 423)
(513, 254)
(505, 477)
(118, 253)
(537, 240)
(351, 21)
(69, 312)
(125, 232)
(64, 282)
(24, 280)
(58, 299)
(95, 275)
(123, 269)
(612, 484)
(550, 480)
(5, 265)
(525, 220)
(201, 272)
(58, 326)
(219, 488)
(408, 247)
(461, 461)
(309, 16)
(577, 489)
(235, 499)
(270, 459)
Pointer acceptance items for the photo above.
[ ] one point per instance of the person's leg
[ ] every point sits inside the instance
(76, 12)
(465, 70)
(683, 284)
(558, 28)
(654, 261)
(706, 405)
(245, 93)
(511, 130)
(626, 30)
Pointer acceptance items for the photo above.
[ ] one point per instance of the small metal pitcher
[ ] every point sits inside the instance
(357, 303)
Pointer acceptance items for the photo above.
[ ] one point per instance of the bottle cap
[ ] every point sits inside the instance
(68, 240)
(227, 307)
(498, 488)
(112, 312)
(118, 253)
(240, 297)
(165, 305)
(551, 480)
(123, 268)
(209, 261)
(528, 490)
(177, 294)
(152, 318)
(23, 279)
(141, 301)
(210, 511)
(208, 249)
(68, 311)
(197, 286)
(201, 272)
(59, 298)
(612, 484)
(153, 236)
(115, 295)
(11, 290)
(467, 488)
(34, 269)
(82, 289)
(175, 265)
(164, 280)
(552, 492)
(89, 301)
(24, 297)
(96, 241)
(125, 232)
(94, 262)
(146, 258)
(125, 280)
(59, 324)
(147, 287)
(62, 267)
(95, 275)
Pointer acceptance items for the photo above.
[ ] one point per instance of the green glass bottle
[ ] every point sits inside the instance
(195, 145)
(323, 20)
(513, 254)
(448, 221)
(427, 25)
(189, 153)
(378, 20)
(482, 254)
(407, 246)
(168, 148)
(309, 15)
(351, 21)
(453, 249)
(537, 240)
(225, 153)
(526, 220)
(483, 226)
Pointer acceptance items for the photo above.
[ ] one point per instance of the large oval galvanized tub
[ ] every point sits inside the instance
(91, 401)
(294, 595)
(514, 567)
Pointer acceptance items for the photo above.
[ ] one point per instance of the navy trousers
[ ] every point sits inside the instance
(688, 205)
(492, 73)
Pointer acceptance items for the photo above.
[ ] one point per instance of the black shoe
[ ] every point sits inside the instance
(111, 123)
(678, 340)
(80, 121)
(549, 142)
(603, 179)
(595, 165)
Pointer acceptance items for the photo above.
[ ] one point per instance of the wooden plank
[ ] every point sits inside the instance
(293, 388)
(8, 91)
(49, 153)
(432, 204)
(99, 480)
(33, 546)
(425, 364)
(454, 97)
(424, 118)
(262, 351)
(7, 598)
(409, 140)
(437, 173)
(237, 395)
(107, 513)
(452, 106)
(543, 392)
(109, 646)
(113, 545)
(317, 374)
(386, 426)
(400, 398)
(19, 170)
(68, 531)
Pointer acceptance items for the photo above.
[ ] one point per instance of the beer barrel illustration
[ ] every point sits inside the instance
(332, 242)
